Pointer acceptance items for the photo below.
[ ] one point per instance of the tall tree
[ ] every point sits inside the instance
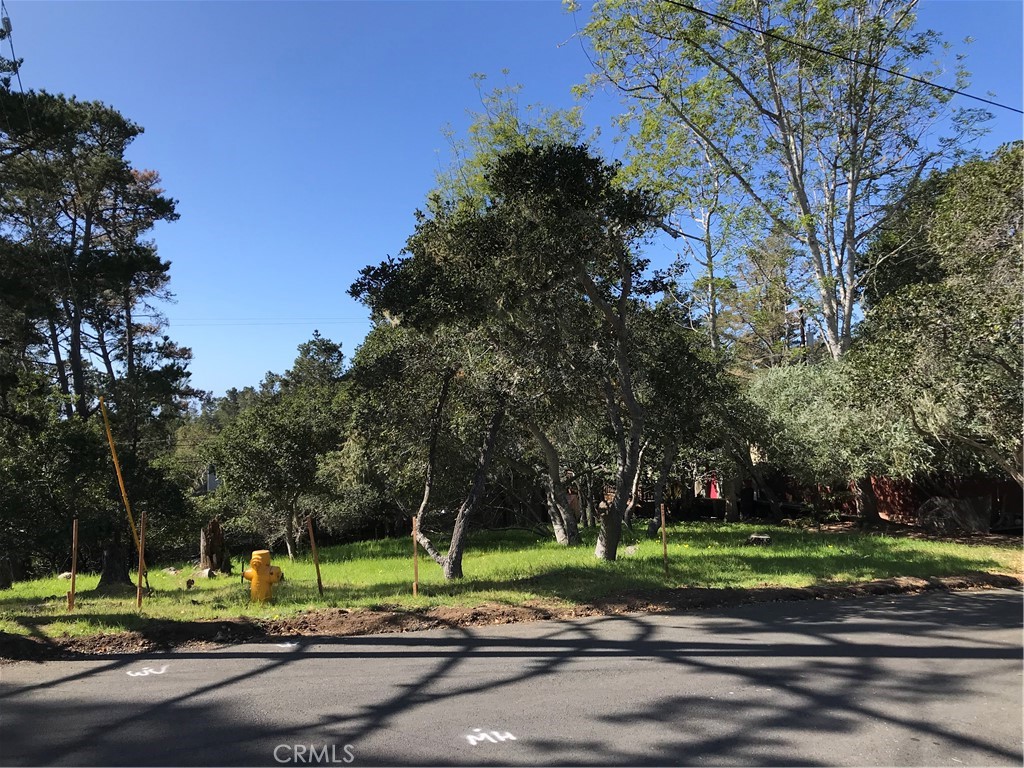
(548, 264)
(80, 280)
(82, 208)
(799, 106)
(269, 456)
(767, 326)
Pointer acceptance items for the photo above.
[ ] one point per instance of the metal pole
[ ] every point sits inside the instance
(415, 558)
(142, 560)
(316, 557)
(74, 563)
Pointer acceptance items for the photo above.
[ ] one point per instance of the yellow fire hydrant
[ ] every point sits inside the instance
(262, 574)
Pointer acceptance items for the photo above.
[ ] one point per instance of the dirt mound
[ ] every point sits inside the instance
(339, 622)
(158, 635)
(335, 622)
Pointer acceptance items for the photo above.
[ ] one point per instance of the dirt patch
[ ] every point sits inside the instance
(903, 530)
(158, 635)
(161, 635)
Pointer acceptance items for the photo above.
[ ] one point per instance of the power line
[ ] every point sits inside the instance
(246, 322)
(14, 59)
(733, 24)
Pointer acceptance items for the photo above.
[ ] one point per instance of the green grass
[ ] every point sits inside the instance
(508, 567)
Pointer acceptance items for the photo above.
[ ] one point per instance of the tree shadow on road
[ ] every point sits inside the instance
(828, 675)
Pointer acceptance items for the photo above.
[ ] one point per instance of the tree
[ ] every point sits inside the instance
(269, 456)
(819, 431)
(407, 451)
(545, 268)
(941, 342)
(79, 274)
(767, 326)
(682, 386)
(81, 208)
(502, 127)
(800, 105)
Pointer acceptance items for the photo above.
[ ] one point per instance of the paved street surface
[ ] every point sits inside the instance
(932, 679)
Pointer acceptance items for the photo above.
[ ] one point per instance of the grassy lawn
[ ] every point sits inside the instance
(508, 567)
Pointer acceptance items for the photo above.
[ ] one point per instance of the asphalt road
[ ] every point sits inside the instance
(932, 679)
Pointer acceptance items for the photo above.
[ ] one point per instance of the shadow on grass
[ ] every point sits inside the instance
(715, 560)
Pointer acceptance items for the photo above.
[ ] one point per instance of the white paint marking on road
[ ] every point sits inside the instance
(495, 737)
(147, 671)
(286, 645)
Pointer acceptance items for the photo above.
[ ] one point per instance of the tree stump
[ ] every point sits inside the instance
(115, 564)
(213, 552)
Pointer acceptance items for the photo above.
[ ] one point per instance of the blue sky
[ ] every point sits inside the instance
(300, 137)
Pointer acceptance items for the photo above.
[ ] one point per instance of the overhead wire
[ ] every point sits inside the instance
(737, 26)
(225, 322)
(3, 106)
(733, 24)
(14, 61)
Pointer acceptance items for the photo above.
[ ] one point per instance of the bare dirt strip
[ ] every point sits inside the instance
(162, 635)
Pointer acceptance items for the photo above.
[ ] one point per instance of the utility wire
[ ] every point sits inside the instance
(14, 63)
(229, 323)
(733, 24)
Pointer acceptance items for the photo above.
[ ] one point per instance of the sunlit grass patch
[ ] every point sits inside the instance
(508, 567)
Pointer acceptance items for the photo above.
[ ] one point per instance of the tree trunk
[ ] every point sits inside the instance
(732, 512)
(634, 492)
(588, 509)
(6, 573)
(77, 365)
(628, 463)
(867, 504)
(668, 458)
(289, 535)
(115, 563)
(610, 532)
(557, 521)
(62, 373)
(453, 562)
(428, 479)
(563, 520)
(213, 553)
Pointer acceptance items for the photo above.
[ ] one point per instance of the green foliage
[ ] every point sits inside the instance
(79, 278)
(501, 126)
(820, 431)
(723, 119)
(941, 344)
(397, 374)
(269, 455)
(542, 272)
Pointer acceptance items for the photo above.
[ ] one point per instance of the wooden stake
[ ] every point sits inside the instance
(142, 559)
(74, 563)
(120, 482)
(415, 558)
(316, 557)
(664, 539)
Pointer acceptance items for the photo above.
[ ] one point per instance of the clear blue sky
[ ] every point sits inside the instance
(300, 137)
